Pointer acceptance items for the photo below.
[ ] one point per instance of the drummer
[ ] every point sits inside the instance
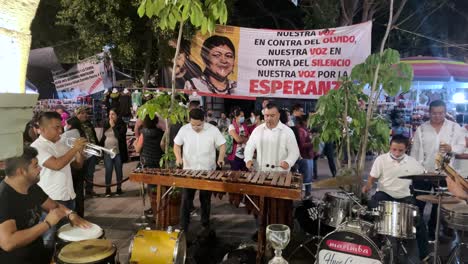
(386, 170)
(21, 201)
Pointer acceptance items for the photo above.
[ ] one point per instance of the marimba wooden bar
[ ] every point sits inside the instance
(274, 191)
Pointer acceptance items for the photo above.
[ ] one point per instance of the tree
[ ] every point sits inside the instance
(173, 13)
(353, 124)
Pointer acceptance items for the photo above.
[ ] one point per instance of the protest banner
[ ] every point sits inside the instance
(91, 75)
(247, 63)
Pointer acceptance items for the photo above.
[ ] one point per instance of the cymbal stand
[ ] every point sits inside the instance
(142, 221)
(352, 198)
(317, 237)
(454, 256)
(439, 192)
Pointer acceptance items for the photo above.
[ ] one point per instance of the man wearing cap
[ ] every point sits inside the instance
(90, 163)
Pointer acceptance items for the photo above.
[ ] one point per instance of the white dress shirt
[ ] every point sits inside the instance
(461, 165)
(58, 184)
(273, 146)
(426, 142)
(199, 151)
(387, 171)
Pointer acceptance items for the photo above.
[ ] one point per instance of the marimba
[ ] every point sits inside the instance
(273, 191)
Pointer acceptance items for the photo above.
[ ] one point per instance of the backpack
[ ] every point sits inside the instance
(229, 143)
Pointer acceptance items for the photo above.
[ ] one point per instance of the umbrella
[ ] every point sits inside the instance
(437, 69)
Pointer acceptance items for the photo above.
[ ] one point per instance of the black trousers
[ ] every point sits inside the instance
(78, 176)
(186, 205)
(427, 186)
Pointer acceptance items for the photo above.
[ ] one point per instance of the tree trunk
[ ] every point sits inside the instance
(372, 100)
(173, 80)
(149, 52)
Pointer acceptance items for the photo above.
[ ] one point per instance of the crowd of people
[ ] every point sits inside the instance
(55, 173)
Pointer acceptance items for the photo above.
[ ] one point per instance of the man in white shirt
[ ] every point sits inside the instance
(199, 140)
(461, 160)
(436, 135)
(387, 169)
(55, 157)
(274, 142)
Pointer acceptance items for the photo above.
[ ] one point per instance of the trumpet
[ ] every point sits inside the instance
(93, 149)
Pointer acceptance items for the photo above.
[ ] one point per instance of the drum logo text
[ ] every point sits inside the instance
(349, 247)
(332, 257)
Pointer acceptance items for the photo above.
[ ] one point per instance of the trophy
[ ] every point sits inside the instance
(278, 236)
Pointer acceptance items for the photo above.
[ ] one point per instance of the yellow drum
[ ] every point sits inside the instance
(154, 246)
(95, 251)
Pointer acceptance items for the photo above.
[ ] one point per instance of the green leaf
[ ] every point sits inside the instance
(141, 9)
(185, 12)
(149, 8)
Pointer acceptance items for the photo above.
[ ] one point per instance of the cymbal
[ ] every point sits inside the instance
(435, 200)
(430, 176)
(336, 182)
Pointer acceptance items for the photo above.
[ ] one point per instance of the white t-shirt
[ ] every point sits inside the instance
(240, 147)
(387, 171)
(461, 165)
(57, 184)
(199, 151)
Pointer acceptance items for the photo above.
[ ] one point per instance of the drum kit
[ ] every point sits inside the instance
(355, 234)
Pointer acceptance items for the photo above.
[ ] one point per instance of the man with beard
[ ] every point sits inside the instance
(21, 201)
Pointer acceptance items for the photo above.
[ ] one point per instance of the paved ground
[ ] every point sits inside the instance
(234, 228)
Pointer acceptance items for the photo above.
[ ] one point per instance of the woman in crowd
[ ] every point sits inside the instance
(63, 114)
(150, 148)
(114, 137)
(149, 143)
(256, 119)
(306, 149)
(240, 134)
(218, 54)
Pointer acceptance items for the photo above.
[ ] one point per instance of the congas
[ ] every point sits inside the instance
(397, 219)
(93, 251)
(155, 246)
(354, 242)
(68, 233)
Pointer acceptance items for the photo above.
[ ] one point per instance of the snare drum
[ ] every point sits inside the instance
(354, 242)
(154, 246)
(456, 215)
(93, 251)
(337, 208)
(397, 219)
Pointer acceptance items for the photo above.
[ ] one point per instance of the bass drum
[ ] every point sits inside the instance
(355, 241)
(155, 246)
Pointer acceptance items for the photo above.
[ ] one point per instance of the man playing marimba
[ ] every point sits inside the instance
(274, 142)
(200, 141)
